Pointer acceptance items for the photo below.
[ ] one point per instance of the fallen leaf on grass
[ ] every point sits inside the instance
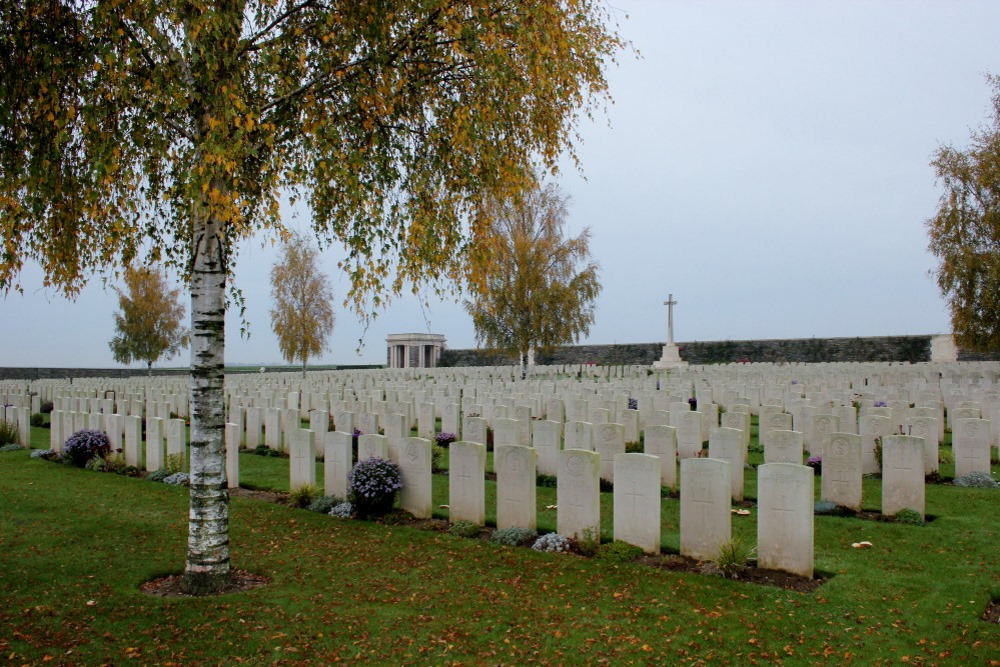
(444, 507)
(740, 512)
(550, 507)
(861, 545)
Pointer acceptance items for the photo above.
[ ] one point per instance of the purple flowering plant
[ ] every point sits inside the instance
(633, 404)
(881, 404)
(444, 438)
(374, 483)
(85, 445)
(816, 463)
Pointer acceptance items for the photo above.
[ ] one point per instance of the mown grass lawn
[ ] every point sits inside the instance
(76, 546)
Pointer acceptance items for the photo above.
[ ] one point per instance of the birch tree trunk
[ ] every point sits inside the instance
(208, 568)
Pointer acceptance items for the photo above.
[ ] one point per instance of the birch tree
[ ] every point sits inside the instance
(149, 324)
(302, 316)
(532, 287)
(965, 234)
(170, 130)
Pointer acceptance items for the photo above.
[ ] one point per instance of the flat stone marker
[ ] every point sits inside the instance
(661, 442)
(372, 444)
(726, 444)
(783, 447)
(706, 487)
(546, 440)
(609, 442)
(516, 491)
(785, 518)
(578, 493)
(154, 444)
(841, 478)
(302, 464)
(467, 482)
(970, 440)
(902, 474)
(637, 501)
(337, 463)
(415, 463)
(577, 436)
(232, 456)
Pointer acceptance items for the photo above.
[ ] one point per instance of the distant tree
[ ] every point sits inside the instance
(302, 316)
(965, 234)
(174, 129)
(532, 288)
(149, 325)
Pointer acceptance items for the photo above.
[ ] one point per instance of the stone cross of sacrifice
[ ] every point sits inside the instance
(670, 303)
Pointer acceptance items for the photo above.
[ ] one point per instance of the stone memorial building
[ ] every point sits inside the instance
(414, 350)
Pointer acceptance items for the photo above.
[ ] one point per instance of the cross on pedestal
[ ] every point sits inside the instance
(670, 303)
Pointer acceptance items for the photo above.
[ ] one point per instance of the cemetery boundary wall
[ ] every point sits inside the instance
(14, 373)
(804, 350)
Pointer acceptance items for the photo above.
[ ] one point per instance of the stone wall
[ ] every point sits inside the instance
(14, 373)
(810, 350)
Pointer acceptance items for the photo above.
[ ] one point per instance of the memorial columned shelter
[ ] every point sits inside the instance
(414, 350)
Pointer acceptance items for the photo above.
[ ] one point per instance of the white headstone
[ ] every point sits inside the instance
(841, 476)
(785, 518)
(902, 474)
(466, 482)
(637, 501)
(415, 463)
(705, 525)
(516, 491)
(578, 493)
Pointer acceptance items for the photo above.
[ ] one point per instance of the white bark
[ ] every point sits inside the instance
(208, 567)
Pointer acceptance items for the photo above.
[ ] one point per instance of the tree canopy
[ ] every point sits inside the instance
(965, 234)
(150, 322)
(173, 129)
(532, 287)
(302, 314)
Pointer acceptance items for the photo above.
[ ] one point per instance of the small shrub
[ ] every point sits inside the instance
(548, 481)
(552, 543)
(946, 456)
(607, 486)
(158, 475)
(633, 447)
(977, 480)
(42, 453)
(824, 507)
(85, 445)
(12, 447)
(177, 479)
(96, 464)
(115, 462)
(444, 439)
(878, 454)
(618, 552)
(909, 516)
(175, 462)
(342, 511)
(302, 496)
(514, 536)
(589, 541)
(756, 448)
(131, 471)
(733, 557)
(437, 458)
(323, 504)
(464, 529)
(374, 484)
(8, 433)
(262, 450)
(46, 408)
(816, 463)
(37, 420)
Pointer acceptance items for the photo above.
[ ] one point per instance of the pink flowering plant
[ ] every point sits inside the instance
(374, 483)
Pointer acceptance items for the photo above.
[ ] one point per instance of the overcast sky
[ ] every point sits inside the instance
(765, 162)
